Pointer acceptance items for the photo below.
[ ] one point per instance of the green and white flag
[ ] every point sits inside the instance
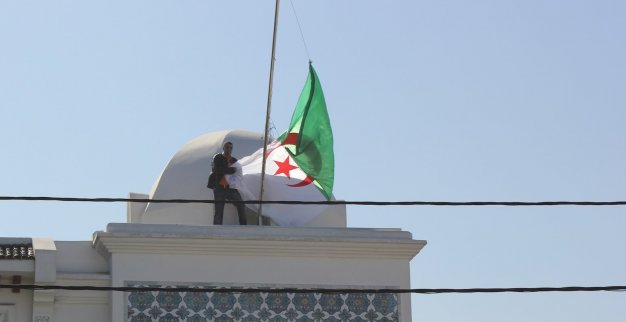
(300, 164)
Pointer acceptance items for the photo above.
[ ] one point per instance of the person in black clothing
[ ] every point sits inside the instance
(221, 191)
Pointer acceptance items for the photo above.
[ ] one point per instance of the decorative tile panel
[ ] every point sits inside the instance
(163, 306)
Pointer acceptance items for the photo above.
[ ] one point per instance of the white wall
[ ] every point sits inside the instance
(70, 263)
(22, 302)
(258, 269)
(81, 312)
(79, 257)
(257, 256)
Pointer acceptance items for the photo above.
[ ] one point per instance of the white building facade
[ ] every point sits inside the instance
(175, 245)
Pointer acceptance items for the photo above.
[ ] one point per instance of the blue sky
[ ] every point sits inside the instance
(429, 100)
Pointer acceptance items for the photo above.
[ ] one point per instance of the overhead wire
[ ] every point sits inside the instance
(306, 49)
(196, 289)
(324, 202)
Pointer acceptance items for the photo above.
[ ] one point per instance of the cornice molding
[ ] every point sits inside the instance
(405, 250)
(79, 279)
(259, 241)
(82, 297)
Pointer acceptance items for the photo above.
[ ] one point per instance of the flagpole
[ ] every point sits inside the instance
(269, 109)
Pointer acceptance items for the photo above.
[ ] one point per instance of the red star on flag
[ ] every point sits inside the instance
(284, 167)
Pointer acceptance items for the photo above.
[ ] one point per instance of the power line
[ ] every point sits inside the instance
(329, 202)
(293, 8)
(315, 290)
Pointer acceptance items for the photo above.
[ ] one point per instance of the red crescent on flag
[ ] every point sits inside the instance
(292, 139)
(308, 180)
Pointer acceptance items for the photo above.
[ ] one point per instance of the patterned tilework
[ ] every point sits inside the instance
(260, 307)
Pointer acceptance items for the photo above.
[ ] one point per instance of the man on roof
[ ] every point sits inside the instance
(222, 190)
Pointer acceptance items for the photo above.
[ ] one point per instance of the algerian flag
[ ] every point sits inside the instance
(299, 165)
(310, 138)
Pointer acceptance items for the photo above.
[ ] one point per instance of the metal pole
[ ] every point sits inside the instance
(269, 109)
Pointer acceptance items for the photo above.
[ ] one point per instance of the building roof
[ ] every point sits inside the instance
(185, 177)
(17, 251)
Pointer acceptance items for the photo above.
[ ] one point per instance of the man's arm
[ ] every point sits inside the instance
(221, 166)
(231, 170)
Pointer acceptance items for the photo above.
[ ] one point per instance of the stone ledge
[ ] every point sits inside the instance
(254, 232)
(257, 241)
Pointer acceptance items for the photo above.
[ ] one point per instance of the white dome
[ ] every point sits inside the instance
(186, 175)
